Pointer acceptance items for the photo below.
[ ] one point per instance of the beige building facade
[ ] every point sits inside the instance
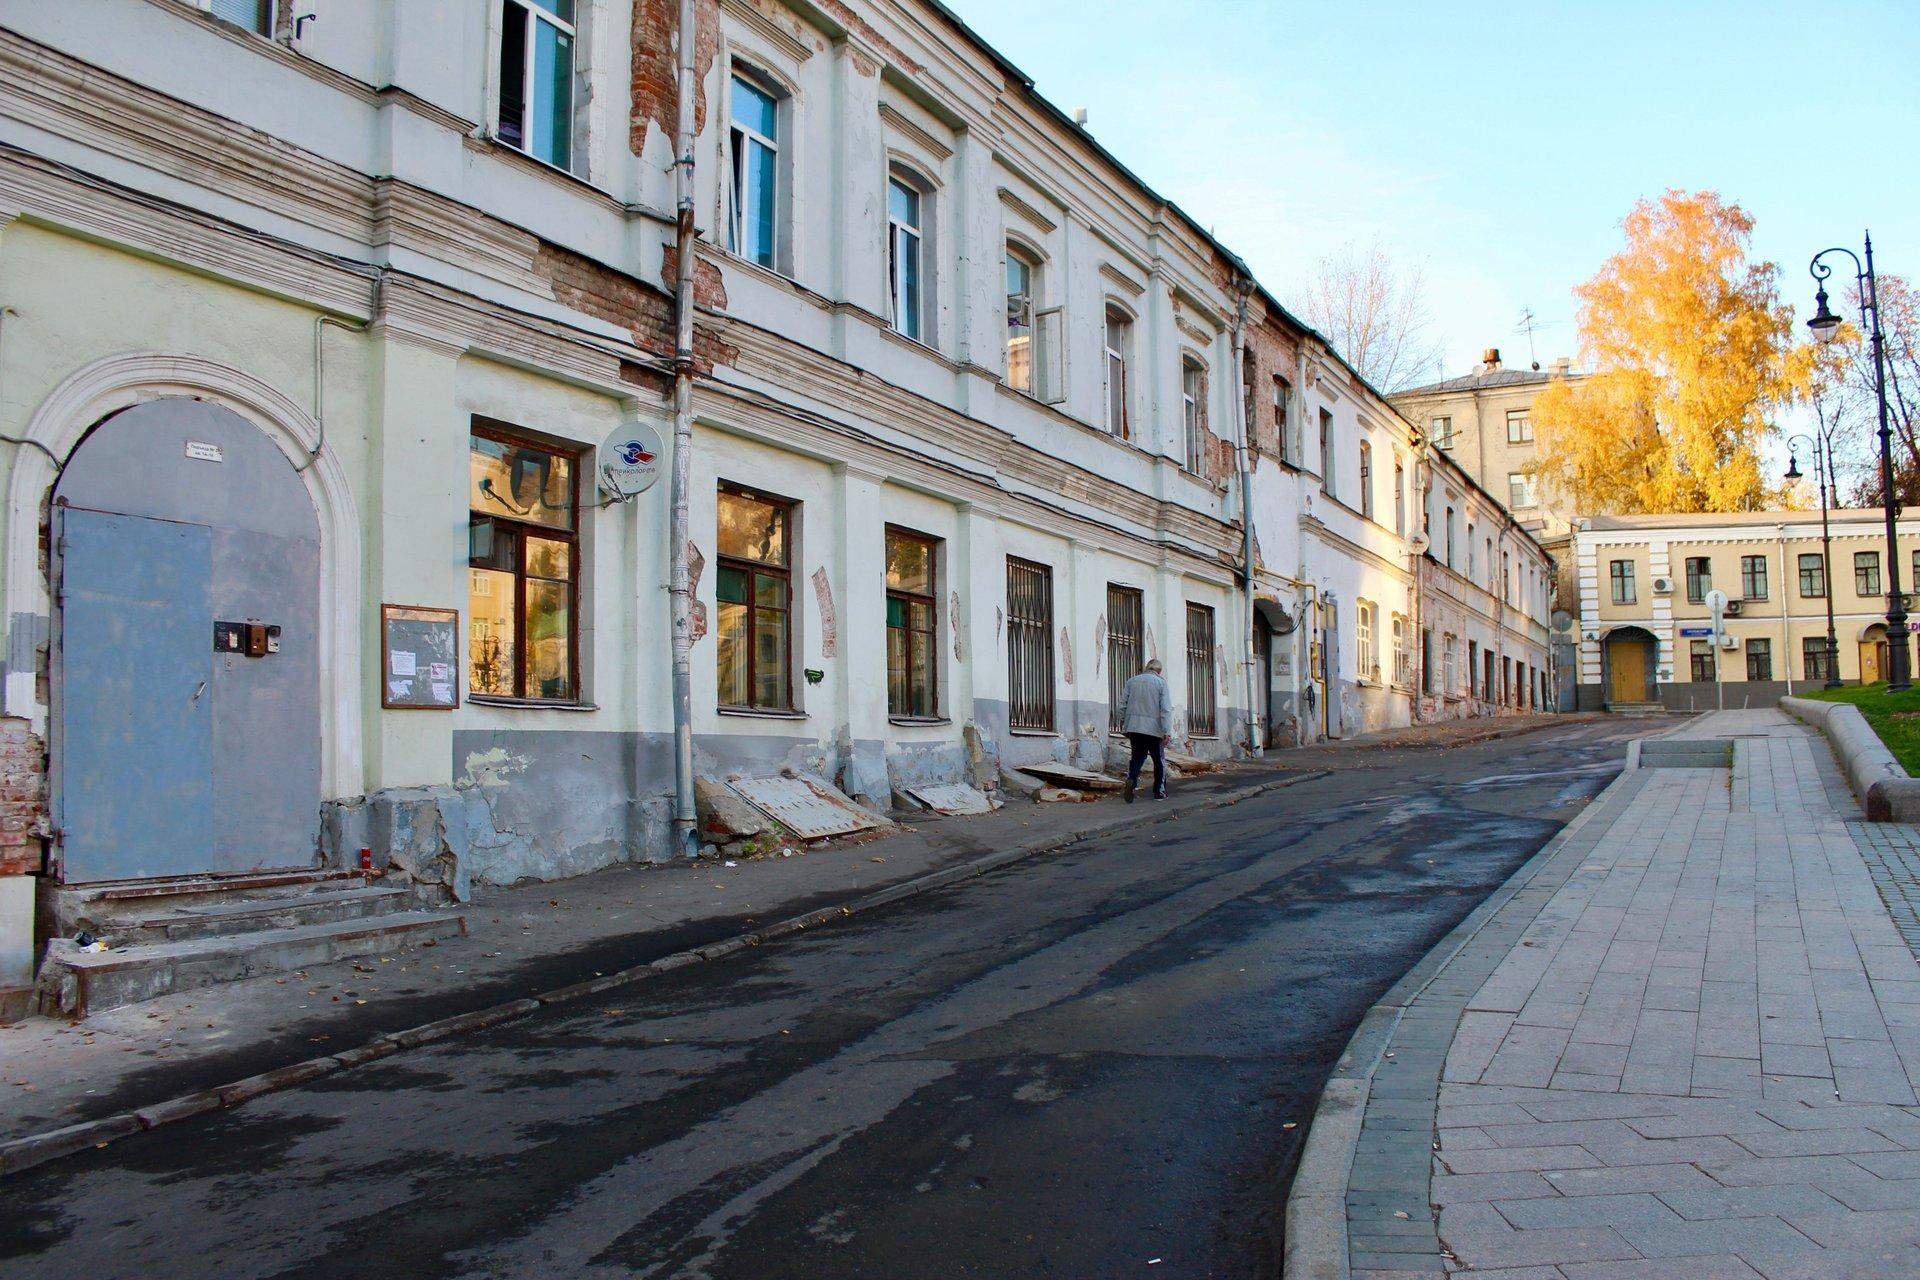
(1646, 632)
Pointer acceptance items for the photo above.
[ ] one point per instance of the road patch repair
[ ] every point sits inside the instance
(1684, 1039)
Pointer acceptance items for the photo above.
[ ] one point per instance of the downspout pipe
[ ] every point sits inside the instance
(679, 571)
(1243, 450)
(320, 324)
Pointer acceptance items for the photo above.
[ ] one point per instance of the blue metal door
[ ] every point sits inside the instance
(133, 742)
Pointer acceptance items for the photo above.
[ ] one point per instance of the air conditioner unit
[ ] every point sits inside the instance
(1729, 642)
(1663, 586)
(1733, 608)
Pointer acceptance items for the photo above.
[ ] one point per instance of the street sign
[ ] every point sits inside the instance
(1696, 631)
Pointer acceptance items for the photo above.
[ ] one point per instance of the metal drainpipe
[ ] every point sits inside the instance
(679, 584)
(1243, 448)
(320, 324)
(1786, 629)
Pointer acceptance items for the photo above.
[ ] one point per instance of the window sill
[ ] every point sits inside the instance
(760, 713)
(1203, 737)
(1033, 733)
(918, 720)
(528, 704)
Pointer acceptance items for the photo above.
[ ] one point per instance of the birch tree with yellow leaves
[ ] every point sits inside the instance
(1693, 360)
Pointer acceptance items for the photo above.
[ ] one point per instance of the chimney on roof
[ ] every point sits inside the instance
(1080, 116)
(1563, 366)
(1490, 359)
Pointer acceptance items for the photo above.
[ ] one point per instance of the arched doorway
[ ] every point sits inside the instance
(1873, 653)
(186, 709)
(1272, 632)
(1630, 661)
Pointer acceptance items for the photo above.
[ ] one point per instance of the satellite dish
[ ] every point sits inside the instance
(630, 460)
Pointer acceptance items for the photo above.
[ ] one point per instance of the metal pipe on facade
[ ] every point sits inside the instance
(679, 580)
(1243, 450)
(320, 324)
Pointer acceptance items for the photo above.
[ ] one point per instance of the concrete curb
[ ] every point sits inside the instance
(35, 1149)
(1316, 1211)
(1886, 793)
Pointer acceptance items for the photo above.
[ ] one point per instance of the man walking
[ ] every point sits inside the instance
(1146, 717)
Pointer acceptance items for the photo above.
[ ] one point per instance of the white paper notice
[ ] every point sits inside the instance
(443, 693)
(402, 662)
(437, 671)
(398, 689)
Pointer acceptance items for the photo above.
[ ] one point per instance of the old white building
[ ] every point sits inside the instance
(318, 328)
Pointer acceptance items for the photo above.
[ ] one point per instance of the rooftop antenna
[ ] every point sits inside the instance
(1525, 326)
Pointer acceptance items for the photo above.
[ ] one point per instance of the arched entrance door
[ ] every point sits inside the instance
(186, 703)
(1630, 653)
(1873, 654)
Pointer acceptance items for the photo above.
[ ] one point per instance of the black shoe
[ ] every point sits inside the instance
(1127, 791)
(1159, 795)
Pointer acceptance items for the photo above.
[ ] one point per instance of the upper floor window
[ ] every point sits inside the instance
(1866, 573)
(1519, 426)
(255, 15)
(1282, 400)
(753, 198)
(1366, 479)
(1813, 576)
(1473, 553)
(1520, 490)
(536, 79)
(1326, 452)
(1620, 575)
(1753, 577)
(1449, 537)
(522, 568)
(1441, 431)
(1193, 413)
(1699, 578)
(1399, 499)
(1119, 341)
(1021, 271)
(906, 250)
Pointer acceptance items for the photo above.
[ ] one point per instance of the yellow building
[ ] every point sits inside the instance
(1646, 633)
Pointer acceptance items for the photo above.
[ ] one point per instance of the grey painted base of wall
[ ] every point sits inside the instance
(547, 805)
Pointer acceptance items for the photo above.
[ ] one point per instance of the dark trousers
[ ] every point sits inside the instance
(1148, 745)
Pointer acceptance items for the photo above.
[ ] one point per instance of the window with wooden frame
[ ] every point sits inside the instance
(1029, 645)
(908, 201)
(1366, 479)
(1326, 453)
(913, 627)
(536, 79)
(753, 177)
(1126, 629)
(1022, 272)
(1282, 424)
(523, 563)
(753, 591)
(1753, 577)
(1519, 426)
(1866, 573)
(1813, 576)
(1620, 578)
(1699, 578)
(1399, 499)
(1202, 681)
(1193, 413)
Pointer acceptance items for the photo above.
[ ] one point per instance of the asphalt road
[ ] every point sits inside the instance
(1091, 1064)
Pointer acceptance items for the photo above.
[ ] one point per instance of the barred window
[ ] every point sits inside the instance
(1126, 620)
(1029, 645)
(1202, 693)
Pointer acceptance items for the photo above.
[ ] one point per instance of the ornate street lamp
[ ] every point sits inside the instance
(1826, 326)
(1822, 472)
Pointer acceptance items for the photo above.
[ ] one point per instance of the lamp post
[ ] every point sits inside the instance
(1822, 472)
(1826, 326)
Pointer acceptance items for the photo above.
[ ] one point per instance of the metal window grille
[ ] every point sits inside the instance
(1201, 691)
(1126, 618)
(1029, 645)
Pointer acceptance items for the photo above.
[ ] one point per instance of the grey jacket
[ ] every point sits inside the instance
(1146, 706)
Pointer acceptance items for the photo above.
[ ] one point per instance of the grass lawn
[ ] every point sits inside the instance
(1894, 716)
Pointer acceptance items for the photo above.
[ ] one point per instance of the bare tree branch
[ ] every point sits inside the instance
(1373, 310)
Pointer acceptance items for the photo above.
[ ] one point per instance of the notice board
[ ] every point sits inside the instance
(419, 657)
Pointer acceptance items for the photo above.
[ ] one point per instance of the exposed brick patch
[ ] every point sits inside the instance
(656, 90)
(709, 286)
(644, 310)
(852, 21)
(23, 808)
(640, 375)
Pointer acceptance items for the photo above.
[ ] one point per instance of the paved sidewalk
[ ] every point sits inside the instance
(1688, 1046)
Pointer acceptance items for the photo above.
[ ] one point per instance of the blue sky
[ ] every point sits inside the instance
(1497, 146)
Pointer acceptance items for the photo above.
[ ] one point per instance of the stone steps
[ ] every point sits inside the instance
(221, 917)
(77, 983)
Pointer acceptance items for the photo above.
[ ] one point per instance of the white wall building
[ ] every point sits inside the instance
(360, 297)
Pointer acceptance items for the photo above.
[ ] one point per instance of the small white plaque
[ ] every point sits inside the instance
(204, 452)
